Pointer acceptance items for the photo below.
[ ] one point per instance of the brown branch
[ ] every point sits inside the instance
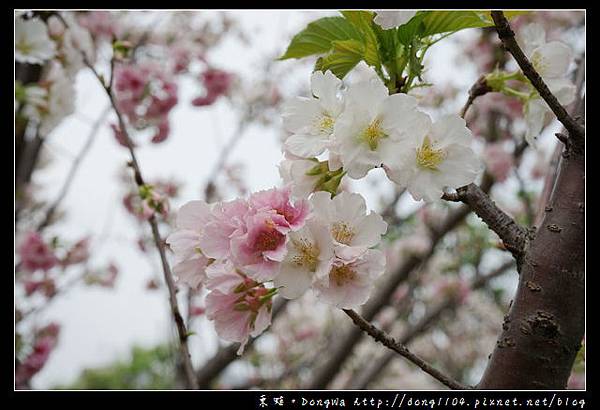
(389, 342)
(507, 36)
(478, 89)
(168, 276)
(375, 367)
(513, 236)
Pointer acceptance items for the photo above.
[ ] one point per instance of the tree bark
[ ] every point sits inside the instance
(543, 330)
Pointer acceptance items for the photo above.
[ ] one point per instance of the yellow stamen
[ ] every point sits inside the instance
(307, 254)
(326, 123)
(428, 157)
(373, 133)
(342, 274)
(342, 232)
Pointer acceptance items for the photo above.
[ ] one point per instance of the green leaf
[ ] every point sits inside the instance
(413, 28)
(363, 21)
(436, 22)
(318, 36)
(344, 57)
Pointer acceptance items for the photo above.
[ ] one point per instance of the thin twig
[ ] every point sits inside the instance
(452, 302)
(478, 89)
(74, 167)
(389, 342)
(178, 319)
(507, 36)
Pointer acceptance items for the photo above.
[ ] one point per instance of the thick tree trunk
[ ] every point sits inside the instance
(543, 330)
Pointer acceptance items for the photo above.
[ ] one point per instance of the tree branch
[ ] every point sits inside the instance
(513, 236)
(478, 89)
(507, 36)
(389, 342)
(177, 318)
(376, 366)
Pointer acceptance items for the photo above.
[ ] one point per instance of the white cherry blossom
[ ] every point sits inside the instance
(32, 43)
(436, 157)
(311, 120)
(390, 19)
(551, 60)
(352, 230)
(349, 283)
(373, 122)
(309, 256)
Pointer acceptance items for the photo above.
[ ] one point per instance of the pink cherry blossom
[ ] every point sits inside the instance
(35, 254)
(279, 200)
(190, 261)
(228, 221)
(262, 245)
(216, 83)
(242, 313)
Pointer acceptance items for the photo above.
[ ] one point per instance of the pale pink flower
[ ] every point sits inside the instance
(243, 313)
(35, 254)
(190, 262)
(262, 246)
(278, 199)
(352, 229)
(228, 221)
(349, 283)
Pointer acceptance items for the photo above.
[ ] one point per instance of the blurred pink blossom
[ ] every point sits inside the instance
(35, 254)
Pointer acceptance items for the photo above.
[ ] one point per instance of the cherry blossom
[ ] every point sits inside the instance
(309, 256)
(435, 157)
(372, 124)
(391, 19)
(32, 43)
(35, 254)
(312, 120)
(190, 262)
(345, 216)
(551, 60)
(242, 312)
(349, 282)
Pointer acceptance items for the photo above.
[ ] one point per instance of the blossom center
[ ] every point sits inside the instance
(373, 133)
(342, 274)
(428, 157)
(325, 124)
(342, 232)
(268, 240)
(307, 254)
(537, 61)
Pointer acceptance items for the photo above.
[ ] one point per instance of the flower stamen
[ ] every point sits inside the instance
(373, 133)
(429, 157)
(342, 232)
(342, 274)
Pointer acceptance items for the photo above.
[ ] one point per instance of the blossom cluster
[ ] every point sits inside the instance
(145, 95)
(362, 127)
(552, 61)
(236, 248)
